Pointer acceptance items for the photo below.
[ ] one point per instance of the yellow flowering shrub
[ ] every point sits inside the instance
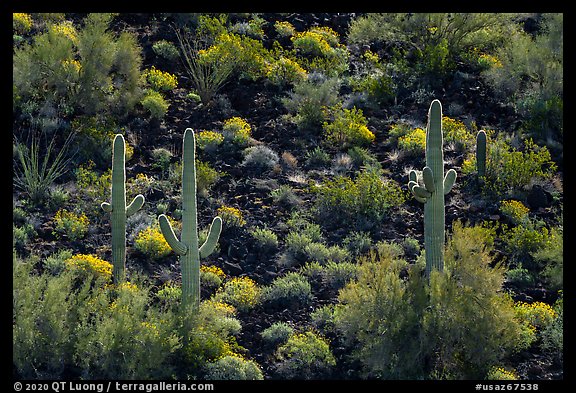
(284, 28)
(160, 80)
(21, 22)
(73, 226)
(237, 129)
(212, 269)
(90, 264)
(241, 292)
(501, 374)
(65, 29)
(208, 139)
(231, 216)
(349, 128)
(515, 210)
(151, 242)
(285, 70)
(455, 131)
(537, 314)
(414, 141)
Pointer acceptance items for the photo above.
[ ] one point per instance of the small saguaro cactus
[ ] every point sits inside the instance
(481, 153)
(436, 185)
(118, 209)
(187, 247)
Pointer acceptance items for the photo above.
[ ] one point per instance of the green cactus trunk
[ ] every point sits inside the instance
(119, 211)
(436, 185)
(188, 247)
(481, 153)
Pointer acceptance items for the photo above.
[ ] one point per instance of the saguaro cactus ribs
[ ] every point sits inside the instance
(118, 209)
(187, 248)
(436, 185)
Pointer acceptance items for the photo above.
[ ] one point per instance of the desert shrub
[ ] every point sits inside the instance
(151, 243)
(413, 142)
(71, 225)
(285, 196)
(160, 80)
(246, 56)
(206, 177)
(522, 240)
(338, 274)
(56, 262)
(319, 49)
(277, 333)
(550, 259)
(509, 170)
(358, 242)
(211, 335)
(520, 277)
(231, 216)
(21, 23)
(552, 335)
(237, 130)
(291, 289)
(22, 235)
(161, 159)
(166, 49)
(516, 212)
(260, 157)
(317, 157)
(241, 292)
(38, 163)
(266, 240)
(91, 184)
(209, 140)
(285, 71)
(501, 374)
(211, 277)
(531, 77)
(89, 70)
(455, 132)
(89, 264)
(362, 157)
(284, 28)
(373, 79)
(359, 203)
(155, 104)
(457, 324)
(305, 356)
(348, 128)
(309, 99)
(234, 367)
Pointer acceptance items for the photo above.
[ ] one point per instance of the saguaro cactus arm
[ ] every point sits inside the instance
(176, 245)
(213, 235)
(135, 205)
(449, 180)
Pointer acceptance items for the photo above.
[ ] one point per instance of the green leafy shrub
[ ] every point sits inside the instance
(289, 290)
(233, 367)
(206, 177)
(166, 49)
(308, 101)
(509, 170)
(361, 203)
(277, 333)
(456, 325)
(305, 356)
(265, 238)
(515, 211)
(349, 128)
(87, 71)
(285, 71)
(155, 104)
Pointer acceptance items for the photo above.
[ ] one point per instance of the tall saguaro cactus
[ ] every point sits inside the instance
(436, 185)
(187, 247)
(118, 209)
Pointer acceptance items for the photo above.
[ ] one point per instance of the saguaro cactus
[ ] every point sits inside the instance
(118, 209)
(187, 248)
(436, 185)
(481, 153)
